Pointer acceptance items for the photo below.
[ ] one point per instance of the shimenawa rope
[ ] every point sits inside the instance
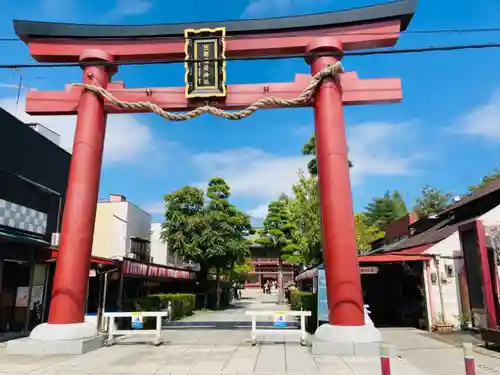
(270, 101)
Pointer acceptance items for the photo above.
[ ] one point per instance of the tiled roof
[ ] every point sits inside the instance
(436, 233)
(489, 188)
(446, 225)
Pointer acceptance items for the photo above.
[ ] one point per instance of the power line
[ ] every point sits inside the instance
(272, 57)
(406, 32)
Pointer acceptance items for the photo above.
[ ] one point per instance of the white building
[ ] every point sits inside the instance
(122, 230)
(448, 256)
(160, 252)
(453, 293)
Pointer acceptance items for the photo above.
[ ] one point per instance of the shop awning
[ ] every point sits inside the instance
(391, 258)
(94, 259)
(405, 255)
(18, 237)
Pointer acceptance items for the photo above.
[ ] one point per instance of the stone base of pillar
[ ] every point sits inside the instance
(346, 340)
(47, 339)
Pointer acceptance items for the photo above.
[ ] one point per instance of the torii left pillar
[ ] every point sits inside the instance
(67, 306)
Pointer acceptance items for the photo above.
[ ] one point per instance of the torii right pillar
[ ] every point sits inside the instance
(346, 332)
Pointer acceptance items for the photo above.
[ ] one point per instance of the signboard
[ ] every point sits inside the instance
(137, 320)
(205, 63)
(22, 293)
(280, 320)
(322, 298)
(368, 270)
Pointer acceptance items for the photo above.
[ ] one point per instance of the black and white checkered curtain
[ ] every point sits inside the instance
(25, 206)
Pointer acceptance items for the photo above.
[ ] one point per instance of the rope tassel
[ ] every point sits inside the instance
(305, 97)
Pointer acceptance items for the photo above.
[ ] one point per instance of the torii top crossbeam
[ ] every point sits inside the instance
(358, 28)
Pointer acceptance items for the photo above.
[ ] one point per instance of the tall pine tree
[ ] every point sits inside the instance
(278, 234)
(431, 202)
(309, 149)
(384, 209)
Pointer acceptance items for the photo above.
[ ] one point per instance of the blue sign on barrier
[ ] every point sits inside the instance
(280, 320)
(137, 321)
(322, 298)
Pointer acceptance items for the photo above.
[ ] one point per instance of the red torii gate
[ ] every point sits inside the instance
(333, 32)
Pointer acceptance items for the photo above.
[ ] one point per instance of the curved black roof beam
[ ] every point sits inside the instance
(402, 10)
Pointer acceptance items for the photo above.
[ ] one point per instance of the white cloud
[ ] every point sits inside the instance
(258, 212)
(127, 139)
(155, 208)
(254, 173)
(482, 121)
(261, 177)
(251, 172)
(372, 150)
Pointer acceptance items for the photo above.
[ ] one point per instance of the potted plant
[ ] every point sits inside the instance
(465, 321)
(442, 326)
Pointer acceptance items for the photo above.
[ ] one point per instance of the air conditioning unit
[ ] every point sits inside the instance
(54, 239)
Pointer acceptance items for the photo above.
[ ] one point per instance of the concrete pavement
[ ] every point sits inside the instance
(219, 343)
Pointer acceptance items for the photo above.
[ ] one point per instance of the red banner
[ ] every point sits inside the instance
(131, 268)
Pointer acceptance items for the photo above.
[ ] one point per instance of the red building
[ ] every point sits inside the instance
(265, 265)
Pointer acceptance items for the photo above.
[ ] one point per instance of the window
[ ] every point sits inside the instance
(140, 249)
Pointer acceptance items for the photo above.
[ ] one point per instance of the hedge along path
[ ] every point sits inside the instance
(306, 97)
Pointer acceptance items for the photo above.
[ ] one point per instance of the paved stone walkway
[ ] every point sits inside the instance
(219, 343)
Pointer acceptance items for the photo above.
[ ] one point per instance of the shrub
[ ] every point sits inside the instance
(308, 302)
(182, 305)
(211, 298)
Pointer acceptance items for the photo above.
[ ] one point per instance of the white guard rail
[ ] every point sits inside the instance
(255, 313)
(112, 331)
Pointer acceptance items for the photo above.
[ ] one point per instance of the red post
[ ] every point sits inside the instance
(470, 367)
(385, 359)
(345, 301)
(69, 291)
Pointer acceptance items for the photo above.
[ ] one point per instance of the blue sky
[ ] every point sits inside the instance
(445, 132)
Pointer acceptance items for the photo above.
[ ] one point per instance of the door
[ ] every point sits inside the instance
(479, 280)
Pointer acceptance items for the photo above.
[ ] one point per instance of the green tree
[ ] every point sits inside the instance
(226, 230)
(305, 210)
(208, 232)
(365, 233)
(432, 201)
(309, 149)
(278, 234)
(384, 209)
(183, 228)
(241, 269)
(486, 179)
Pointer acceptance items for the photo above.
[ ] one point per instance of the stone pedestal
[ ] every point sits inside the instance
(347, 340)
(47, 339)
